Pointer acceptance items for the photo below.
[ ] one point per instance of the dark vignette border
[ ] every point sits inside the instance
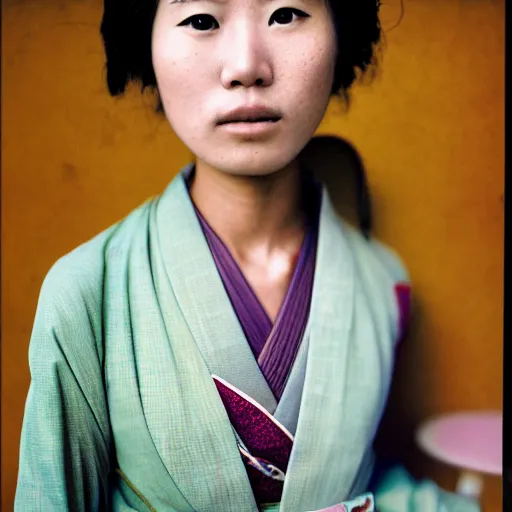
(507, 299)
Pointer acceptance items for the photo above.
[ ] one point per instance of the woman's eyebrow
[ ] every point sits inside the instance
(177, 2)
(173, 2)
(183, 2)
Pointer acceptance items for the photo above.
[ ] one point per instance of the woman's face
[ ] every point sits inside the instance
(244, 83)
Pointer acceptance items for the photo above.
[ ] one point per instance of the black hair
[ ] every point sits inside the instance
(340, 167)
(127, 25)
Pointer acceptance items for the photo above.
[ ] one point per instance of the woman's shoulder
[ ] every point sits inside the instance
(384, 278)
(78, 276)
(374, 252)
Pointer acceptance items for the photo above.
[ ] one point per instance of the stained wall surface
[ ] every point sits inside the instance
(429, 128)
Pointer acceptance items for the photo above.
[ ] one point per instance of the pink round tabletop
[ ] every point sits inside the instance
(468, 440)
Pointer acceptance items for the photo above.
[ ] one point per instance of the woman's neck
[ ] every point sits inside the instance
(252, 214)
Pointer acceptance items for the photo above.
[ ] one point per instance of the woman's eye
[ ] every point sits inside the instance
(286, 15)
(202, 22)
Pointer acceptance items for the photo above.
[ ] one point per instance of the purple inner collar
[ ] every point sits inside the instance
(274, 346)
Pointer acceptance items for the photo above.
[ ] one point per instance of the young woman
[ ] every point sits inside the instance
(228, 346)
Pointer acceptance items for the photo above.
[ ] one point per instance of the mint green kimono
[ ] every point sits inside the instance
(122, 412)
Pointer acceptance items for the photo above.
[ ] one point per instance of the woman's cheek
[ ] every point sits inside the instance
(314, 56)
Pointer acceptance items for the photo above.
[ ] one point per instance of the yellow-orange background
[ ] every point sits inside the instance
(430, 129)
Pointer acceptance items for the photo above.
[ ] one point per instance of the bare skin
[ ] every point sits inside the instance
(260, 220)
(245, 84)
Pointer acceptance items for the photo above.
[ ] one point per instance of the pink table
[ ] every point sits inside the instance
(471, 441)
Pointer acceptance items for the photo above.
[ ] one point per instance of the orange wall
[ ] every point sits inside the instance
(430, 130)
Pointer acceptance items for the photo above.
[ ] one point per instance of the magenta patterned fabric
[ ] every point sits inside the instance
(268, 444)
(403, 297)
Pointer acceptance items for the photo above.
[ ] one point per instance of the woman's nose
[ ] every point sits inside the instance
(246, 62)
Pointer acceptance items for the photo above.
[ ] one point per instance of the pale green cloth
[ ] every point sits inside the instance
(129, 328)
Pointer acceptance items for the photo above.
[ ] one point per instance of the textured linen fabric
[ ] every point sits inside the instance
(123, 414)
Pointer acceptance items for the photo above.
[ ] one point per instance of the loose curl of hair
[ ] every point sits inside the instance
(127, 25)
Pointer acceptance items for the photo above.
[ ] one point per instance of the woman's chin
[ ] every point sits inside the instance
(255, 163)
(256, 170)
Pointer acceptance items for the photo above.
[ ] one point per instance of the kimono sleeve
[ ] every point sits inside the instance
(64, 451)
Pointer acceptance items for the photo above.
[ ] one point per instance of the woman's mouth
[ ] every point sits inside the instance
(274, 119)
(250, 114)
(251, 127)
(250, 121)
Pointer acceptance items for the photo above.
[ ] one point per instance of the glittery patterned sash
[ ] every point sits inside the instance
(265, 445)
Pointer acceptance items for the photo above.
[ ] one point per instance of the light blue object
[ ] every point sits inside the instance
(122, 407)
(398, 492)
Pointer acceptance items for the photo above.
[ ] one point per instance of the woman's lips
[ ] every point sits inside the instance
(249, 113)
(251, 128)
(250, 121)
